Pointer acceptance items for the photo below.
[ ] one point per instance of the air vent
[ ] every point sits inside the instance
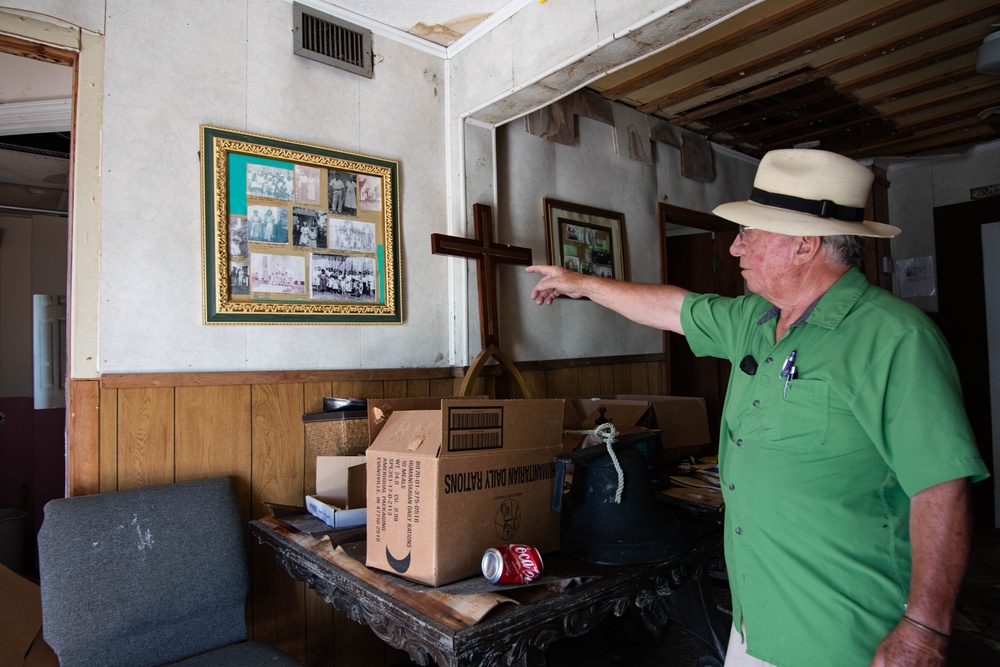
(330, 40)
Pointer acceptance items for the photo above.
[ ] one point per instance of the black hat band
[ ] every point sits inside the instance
(823, 208)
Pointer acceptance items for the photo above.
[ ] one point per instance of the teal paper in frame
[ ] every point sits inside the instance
(296, 233)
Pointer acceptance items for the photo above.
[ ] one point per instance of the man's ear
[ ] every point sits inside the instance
(807, 247)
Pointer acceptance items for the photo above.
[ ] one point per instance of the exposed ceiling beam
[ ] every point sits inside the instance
(896, 42)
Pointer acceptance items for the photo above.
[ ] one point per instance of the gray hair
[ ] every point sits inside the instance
(847, 250)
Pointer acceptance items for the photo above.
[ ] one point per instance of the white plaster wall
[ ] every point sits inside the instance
(86, 14)
(734, 173)
(590, 173)
(918, 186)
(170, 68)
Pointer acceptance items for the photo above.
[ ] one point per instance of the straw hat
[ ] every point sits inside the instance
(803, 192)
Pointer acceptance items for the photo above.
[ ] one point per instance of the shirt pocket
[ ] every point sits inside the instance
(799, 420)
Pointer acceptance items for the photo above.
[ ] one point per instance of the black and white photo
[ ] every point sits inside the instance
(369, 193)
(268, 224)
(342, 193)
(238, 246)
(278, 274)
(264, 180)
(343, 278)
(307, 185)
(308, 228)
(239, 278)
(353, 235)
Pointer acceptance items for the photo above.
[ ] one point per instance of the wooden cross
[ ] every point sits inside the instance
(487, 255)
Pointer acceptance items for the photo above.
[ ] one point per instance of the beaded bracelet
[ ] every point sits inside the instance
(926, 628)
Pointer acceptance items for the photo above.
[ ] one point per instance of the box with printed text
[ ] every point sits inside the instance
(445, 484)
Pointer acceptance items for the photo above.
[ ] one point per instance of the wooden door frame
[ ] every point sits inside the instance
(668, 214)
(724, 279)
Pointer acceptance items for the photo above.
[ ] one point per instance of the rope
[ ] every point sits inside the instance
(609, 434)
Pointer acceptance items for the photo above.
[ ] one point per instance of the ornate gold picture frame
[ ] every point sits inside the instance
(296, 233)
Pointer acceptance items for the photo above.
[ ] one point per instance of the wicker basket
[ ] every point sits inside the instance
(336, 433)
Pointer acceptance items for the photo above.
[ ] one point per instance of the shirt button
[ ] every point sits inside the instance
(739, 443)
(732, 487)
(769, 360)
(756, 404)
(739, 531)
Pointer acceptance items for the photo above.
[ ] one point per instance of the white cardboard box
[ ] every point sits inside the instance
(331, 502)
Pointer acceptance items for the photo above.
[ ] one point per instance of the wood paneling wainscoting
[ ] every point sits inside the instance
(128, 431)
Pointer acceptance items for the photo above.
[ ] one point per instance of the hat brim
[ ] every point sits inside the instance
(792, 223)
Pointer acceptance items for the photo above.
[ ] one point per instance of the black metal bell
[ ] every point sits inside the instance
(596, 529)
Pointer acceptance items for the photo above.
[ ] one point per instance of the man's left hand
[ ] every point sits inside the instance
(908, 646)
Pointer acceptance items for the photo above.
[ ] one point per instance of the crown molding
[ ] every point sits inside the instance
(36, 117)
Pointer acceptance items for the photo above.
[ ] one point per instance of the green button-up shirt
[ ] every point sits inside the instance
(817, 478)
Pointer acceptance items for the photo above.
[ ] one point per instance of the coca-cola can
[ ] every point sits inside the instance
(512, 564)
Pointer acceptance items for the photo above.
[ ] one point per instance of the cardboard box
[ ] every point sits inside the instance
(21, 641)
(336, 517)
(340, 491)
(448, 483)
(682, 421)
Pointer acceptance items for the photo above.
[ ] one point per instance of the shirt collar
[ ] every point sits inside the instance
(837, 302)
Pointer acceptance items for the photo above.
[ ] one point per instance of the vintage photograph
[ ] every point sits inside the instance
(268, 224)
(271, 182)
(370, 193)
(286, 239)
(585, 239)
(278, 274)
(308, 228)
(307, 185)
(342, 192)
(343, 278)
(352, 235)
(238, 246)
(239, 278)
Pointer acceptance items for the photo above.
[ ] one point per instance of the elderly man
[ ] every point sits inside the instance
(845, 453)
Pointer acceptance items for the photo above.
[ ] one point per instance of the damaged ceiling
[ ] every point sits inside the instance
(861, 78)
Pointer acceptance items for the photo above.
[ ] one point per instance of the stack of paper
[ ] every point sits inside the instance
(703, 499)
(697, 486)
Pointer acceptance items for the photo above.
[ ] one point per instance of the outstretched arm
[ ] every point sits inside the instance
(657, 306)
(940, 532)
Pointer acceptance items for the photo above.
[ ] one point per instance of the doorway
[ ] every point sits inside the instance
(695, 255)
(34, 259)
(962, 317)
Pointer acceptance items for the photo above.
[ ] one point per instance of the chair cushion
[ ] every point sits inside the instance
(144, 576)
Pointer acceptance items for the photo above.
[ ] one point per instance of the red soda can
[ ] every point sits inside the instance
(512, 564)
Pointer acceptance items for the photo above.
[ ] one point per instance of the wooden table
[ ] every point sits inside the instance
(509, 634)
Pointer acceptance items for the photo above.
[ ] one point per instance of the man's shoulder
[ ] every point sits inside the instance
(893, 316)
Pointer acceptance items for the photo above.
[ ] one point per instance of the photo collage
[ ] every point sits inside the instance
(586, 249)
(304, 233)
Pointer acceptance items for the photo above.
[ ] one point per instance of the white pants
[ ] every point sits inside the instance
(736, 654)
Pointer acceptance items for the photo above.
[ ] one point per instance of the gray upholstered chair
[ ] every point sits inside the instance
(148, 576)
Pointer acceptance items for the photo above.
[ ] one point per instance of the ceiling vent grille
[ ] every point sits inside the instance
(329, 40)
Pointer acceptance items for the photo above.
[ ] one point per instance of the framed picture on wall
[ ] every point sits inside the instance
(585, 239)
(296, 233)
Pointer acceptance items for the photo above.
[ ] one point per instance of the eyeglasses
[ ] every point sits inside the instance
(743, 232)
